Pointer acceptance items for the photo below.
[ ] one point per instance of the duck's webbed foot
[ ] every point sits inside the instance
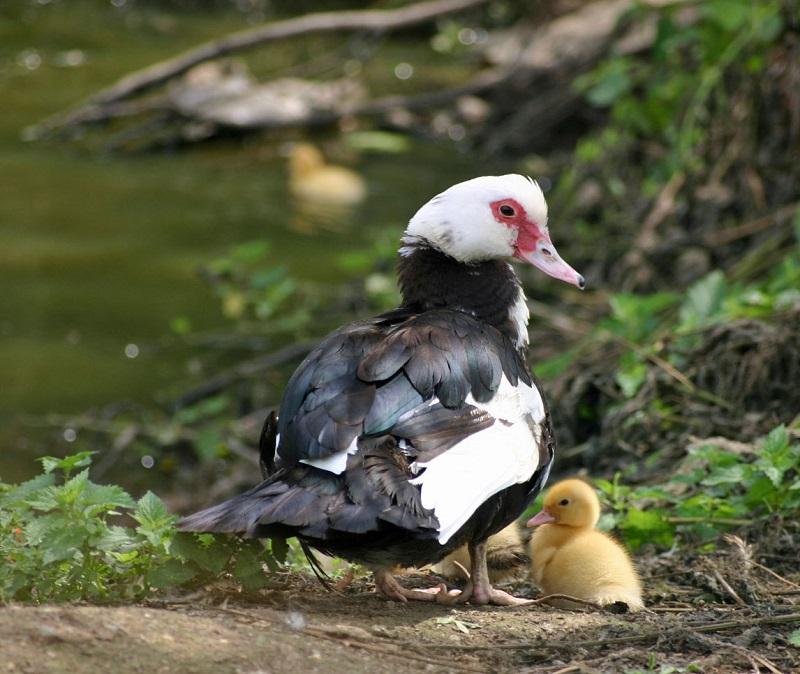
(478, 589)
(387, 586)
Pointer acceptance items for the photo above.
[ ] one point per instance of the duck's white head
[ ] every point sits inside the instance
(491, 217)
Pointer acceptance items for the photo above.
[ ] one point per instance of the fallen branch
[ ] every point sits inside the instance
(379, 106)
(727, 587)
(777, 576)
(323, 22)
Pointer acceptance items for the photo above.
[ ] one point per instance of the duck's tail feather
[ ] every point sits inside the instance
(316, 566)
(249, 513)
(289, 502)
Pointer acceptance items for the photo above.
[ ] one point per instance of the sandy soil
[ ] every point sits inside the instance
(297, 626)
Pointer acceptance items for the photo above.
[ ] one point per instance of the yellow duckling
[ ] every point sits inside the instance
(506, 557)
(312, 181)
(571, 557)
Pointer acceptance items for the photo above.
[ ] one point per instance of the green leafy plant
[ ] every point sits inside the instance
(660, 98)
(64, 538)
(664, 325)
(712, 490)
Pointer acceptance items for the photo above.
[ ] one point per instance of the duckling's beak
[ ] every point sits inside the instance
(541, 518)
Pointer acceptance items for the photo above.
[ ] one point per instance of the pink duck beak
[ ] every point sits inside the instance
(544, 256)
(542, 517)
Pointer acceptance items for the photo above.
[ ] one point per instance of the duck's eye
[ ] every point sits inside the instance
(563, 502)
(506, 210)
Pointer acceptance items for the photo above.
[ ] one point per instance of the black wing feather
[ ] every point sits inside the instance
(434, 429)
(364, 377)
(392, 401)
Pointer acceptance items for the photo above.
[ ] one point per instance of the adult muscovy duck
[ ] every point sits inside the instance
(408, 435)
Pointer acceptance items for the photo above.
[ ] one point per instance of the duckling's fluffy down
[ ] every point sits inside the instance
(311, 180)
(586, 564)
(506, 558)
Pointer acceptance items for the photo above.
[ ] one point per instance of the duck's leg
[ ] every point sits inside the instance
(478, 589)
(388, 587)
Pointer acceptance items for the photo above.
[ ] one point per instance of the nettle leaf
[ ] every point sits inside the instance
(760, 492)
(605, 486)
(699, 505)
(116, 539)
(734, 474)
(691, 477)
(210, 556)
(704, 301)
(151, 512)
(607, 521)
(653, 493)
(170, 574)
(106, 496)
(68, 463)
(45, 527)
(776, 442)
(631, 374)
(73, 488)
(776, 455)
(63, 544)
(774, 473)
(646, 526)
(730, 15)
(125, 557)
(19, 495)
(636, 316)
(45, 499)
(794, 638)
(249, 566)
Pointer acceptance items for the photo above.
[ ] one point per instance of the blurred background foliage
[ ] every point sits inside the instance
(161, 283)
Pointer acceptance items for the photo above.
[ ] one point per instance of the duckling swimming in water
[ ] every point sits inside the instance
(571, 557)
(326, 193)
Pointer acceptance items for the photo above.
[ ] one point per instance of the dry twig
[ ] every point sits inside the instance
(727, 587)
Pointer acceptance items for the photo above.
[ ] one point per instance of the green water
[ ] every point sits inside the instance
(99, 251)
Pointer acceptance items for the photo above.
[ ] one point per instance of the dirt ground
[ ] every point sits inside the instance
(297, 626)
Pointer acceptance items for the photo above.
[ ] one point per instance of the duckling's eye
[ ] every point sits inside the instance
(506, 210)
(563, 502)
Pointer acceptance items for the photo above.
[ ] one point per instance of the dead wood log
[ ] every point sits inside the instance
(322, 22)
(300, 103)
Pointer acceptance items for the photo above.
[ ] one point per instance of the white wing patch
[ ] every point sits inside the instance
(335, 463)
(458, 481)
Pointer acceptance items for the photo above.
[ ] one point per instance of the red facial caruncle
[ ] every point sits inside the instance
(533, 243)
